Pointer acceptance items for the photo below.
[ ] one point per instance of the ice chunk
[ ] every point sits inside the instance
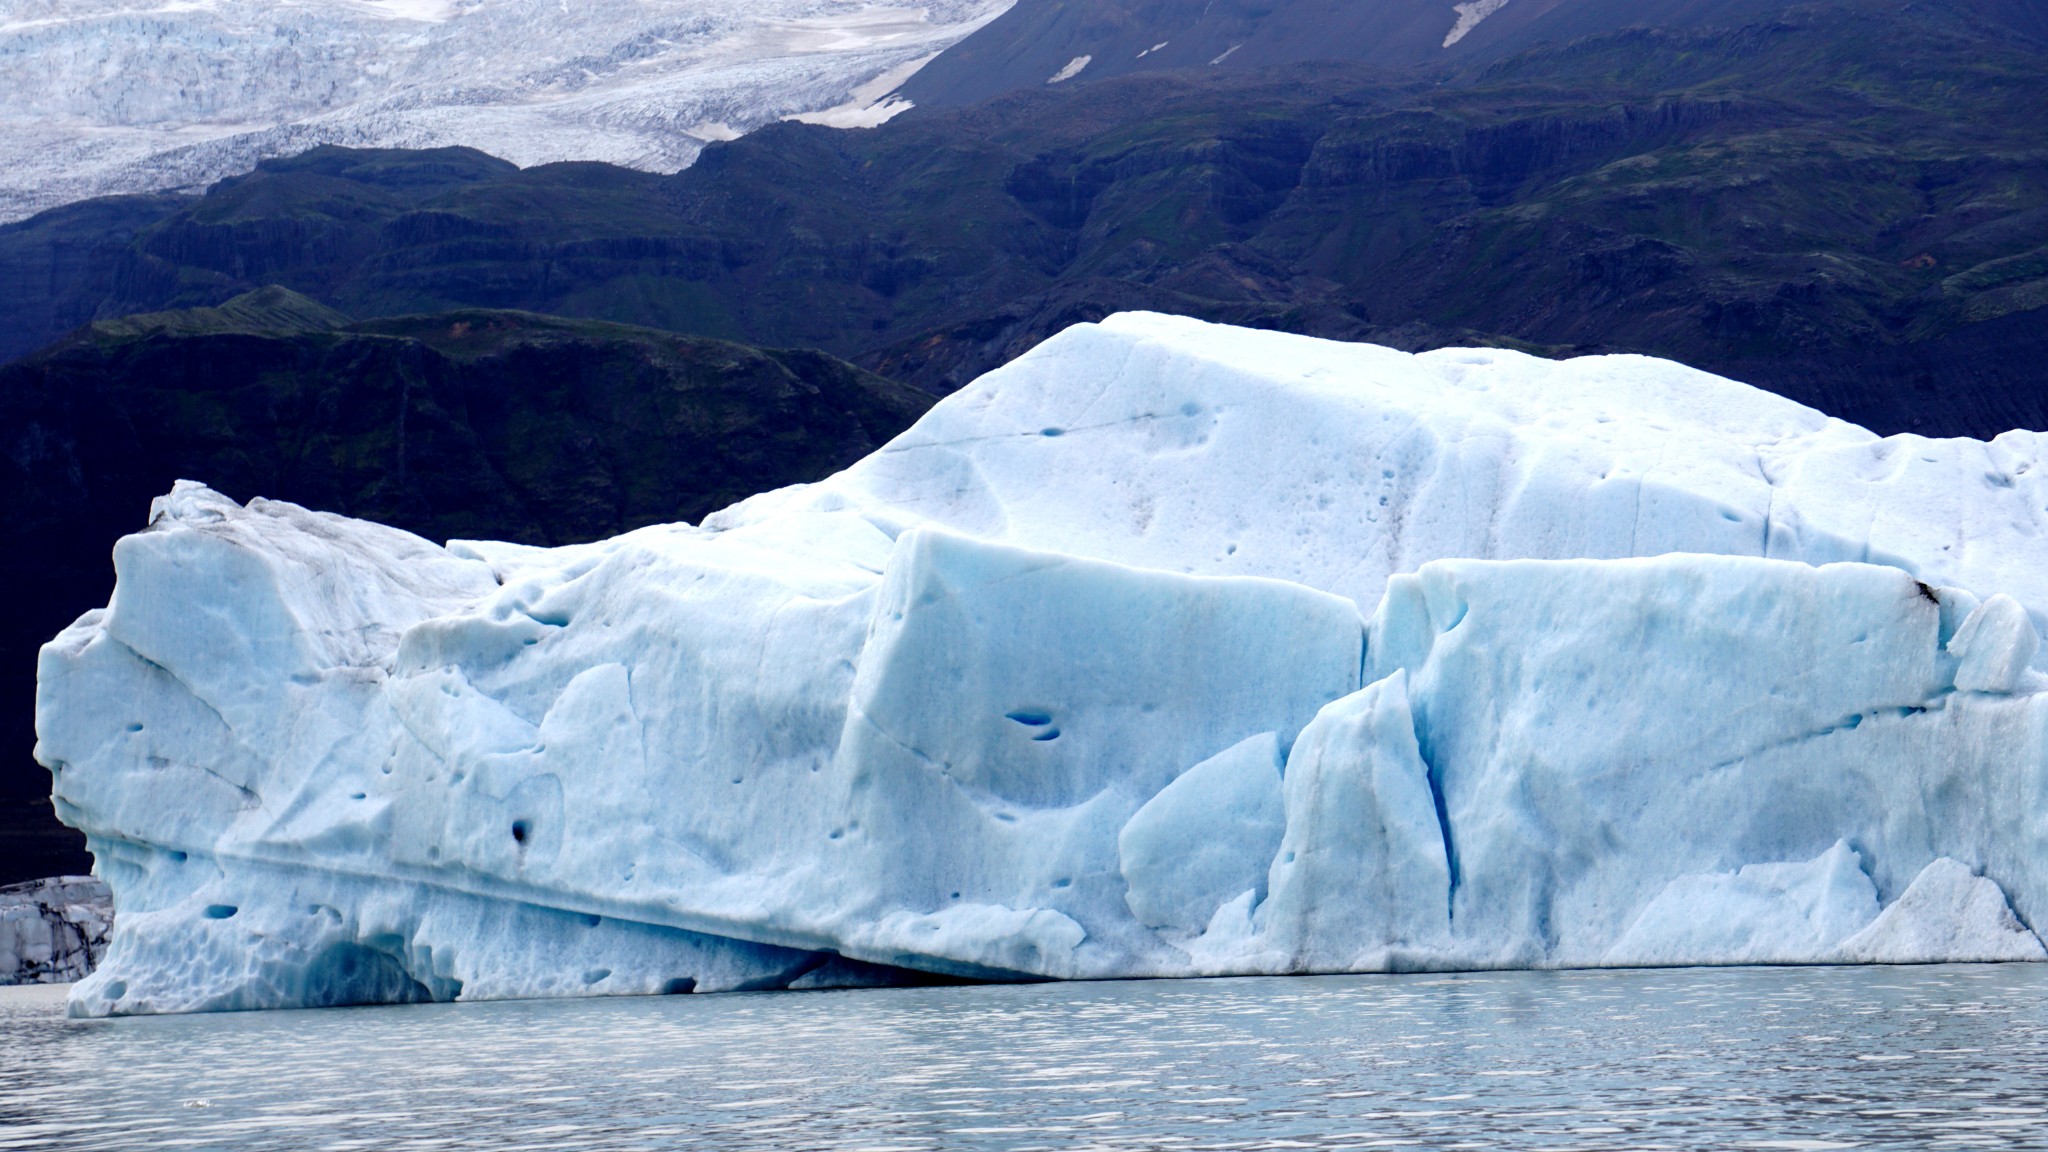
(1012, 711)
(1947, 914)
(1206, 838)
(1003, 700)
(1760, 914)
(53, 931)
(1361, 882)
(1995, 645)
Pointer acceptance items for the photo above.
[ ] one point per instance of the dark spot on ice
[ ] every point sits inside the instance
(219, 911)
(596, 974)
(1927, 592)
(358, 795)
(177, 857)
(1052, 432)
(1029, 719)
(1063, 882)
(590, 921)
(521, 830)
(678, 986)
(1048, 734)
(135, 727)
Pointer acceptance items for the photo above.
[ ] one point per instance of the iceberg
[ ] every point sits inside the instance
(1169, 649)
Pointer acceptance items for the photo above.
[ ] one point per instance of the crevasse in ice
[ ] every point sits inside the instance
(1168, 649)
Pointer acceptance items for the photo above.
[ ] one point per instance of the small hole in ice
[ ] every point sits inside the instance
(835, 834)
(590, 921)
(1230, 551)
(678, 986)
(596, 974)
(520, 830)
(177, 857)
(1063, 882)
(219, 911)
(135, 727)
(955, 896)
(1030, 719)
(117, 989)
(1048, 734)
(1052, 432)
(357, 795)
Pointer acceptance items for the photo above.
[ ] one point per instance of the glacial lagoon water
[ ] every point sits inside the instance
(1790, 1058)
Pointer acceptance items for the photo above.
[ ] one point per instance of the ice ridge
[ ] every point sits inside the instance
(1169, 649)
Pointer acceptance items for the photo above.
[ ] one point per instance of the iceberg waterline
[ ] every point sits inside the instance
(1168, 649)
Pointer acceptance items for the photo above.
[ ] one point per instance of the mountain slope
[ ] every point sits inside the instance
(1847, 205)
(1040, 42)
(472, 423)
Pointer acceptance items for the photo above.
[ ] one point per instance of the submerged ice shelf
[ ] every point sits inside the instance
(1168, 649)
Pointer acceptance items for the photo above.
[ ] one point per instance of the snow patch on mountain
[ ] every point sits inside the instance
(1469, 16)
(1071, 69)
(108, 96)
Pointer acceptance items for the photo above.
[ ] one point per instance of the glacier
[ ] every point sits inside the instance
(1168, 649)
(99, 97)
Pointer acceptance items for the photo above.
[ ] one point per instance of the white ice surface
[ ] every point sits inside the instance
(108, 96)
(1168, 649)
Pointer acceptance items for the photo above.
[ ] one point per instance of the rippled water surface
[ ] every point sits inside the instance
(1761, 1058)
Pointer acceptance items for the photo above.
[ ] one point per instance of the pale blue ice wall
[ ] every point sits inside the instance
(1013, 697)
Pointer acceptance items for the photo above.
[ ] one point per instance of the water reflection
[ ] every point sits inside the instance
(1760, 1058)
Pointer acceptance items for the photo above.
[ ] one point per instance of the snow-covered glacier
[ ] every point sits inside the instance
(108, 96)
(1168, 649)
